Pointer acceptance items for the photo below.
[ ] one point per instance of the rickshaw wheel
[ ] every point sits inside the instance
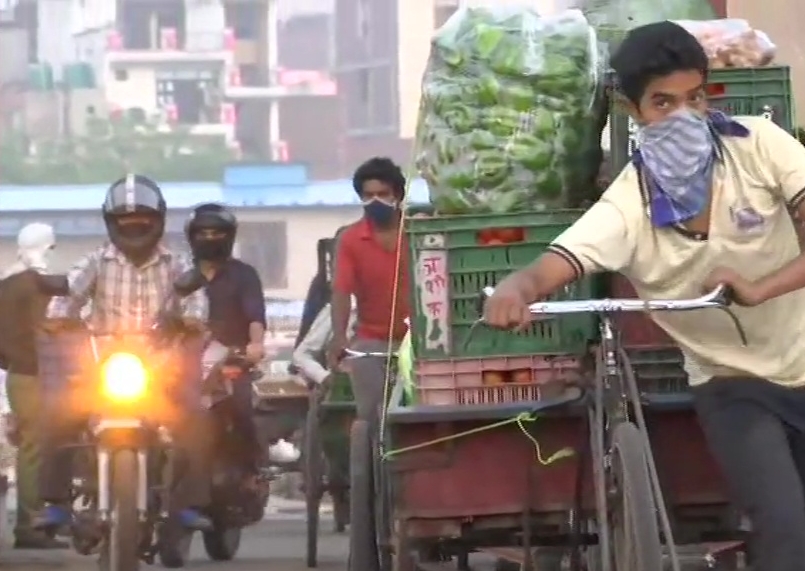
(383, 513)
(363, 554)
(635, 531)
(340, 509)
(313, 467)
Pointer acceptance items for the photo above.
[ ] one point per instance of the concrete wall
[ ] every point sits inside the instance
(305, 227)
(138, 89)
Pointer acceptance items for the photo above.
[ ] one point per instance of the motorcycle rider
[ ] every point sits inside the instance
(237, 315)
(127, 281)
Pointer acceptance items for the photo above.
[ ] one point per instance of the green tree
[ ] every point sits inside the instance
(110, 148)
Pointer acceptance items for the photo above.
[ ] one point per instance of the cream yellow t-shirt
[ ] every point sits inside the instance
(756, 180)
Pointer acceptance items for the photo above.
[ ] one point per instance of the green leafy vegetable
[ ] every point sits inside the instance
(506, 115)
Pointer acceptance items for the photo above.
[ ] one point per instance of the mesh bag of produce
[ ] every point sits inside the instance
(731, 42)
(504, 121)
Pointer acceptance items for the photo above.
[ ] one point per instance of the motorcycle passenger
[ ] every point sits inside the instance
(706, 201)
(126, 282)
(237, 312)
(22, 310)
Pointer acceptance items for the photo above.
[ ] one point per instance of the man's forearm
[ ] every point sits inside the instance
(790, 277)
(541, 278)
(256, 332)
(340, 308)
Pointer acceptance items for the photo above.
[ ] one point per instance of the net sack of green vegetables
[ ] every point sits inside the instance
(507, 98)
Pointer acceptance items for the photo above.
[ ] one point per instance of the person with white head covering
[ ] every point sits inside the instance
(35, 243)
(23, 307)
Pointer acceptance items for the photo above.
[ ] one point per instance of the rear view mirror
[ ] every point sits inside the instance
(53, 285)
(189, 282)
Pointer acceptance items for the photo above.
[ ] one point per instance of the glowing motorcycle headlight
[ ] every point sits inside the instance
(123, 377)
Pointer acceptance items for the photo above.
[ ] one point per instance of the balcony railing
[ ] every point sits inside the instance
(286, 82)
(169, 40)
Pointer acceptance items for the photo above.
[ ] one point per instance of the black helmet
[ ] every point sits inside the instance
(211, 216)
(134, 213)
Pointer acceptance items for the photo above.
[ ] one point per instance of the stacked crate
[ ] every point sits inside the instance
(764, 91)
(459, 362)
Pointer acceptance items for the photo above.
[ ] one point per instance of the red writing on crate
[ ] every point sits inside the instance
(435, 308)
(431, 265)
(434, 299)
(436, 284)
(433, 273)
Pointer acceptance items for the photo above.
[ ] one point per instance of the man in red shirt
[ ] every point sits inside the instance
(366, 266)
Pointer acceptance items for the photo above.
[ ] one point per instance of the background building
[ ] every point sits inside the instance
(281, 217)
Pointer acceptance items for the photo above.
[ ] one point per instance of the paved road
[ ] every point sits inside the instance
(276, 544)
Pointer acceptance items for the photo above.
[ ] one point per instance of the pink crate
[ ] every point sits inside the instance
(493, 380)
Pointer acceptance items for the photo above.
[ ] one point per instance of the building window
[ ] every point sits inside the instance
(365, 86)
(371, 99)
(363, 19)
(265, 246)
(244, 19)
(194, 94)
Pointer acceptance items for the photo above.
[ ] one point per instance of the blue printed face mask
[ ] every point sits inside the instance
(678, 155)
(379, 212)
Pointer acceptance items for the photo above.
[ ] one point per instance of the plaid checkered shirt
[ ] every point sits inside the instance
(123, 297)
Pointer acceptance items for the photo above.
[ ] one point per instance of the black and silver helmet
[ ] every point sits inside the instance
(134, 213)
(218, 243)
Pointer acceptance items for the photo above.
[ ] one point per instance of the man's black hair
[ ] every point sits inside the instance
(652, 51)
(382, 169)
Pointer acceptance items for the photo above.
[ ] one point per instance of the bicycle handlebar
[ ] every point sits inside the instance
(719, 298)
(353, 354)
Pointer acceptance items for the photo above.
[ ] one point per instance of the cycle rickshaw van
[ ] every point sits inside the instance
(574, 464)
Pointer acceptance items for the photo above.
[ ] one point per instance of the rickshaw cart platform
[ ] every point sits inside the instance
(486, 490)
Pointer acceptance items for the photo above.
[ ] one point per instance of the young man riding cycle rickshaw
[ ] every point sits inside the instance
(707, 200)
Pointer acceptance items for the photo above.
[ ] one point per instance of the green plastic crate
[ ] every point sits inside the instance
(450, 268)
(764, 91)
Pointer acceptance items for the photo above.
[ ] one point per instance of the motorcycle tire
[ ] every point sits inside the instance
(120, 551)
(174, 544)
(222, 544)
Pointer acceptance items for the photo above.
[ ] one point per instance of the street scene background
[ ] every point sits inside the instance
(266, 105)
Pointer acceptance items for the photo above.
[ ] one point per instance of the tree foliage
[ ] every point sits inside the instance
(109, 148)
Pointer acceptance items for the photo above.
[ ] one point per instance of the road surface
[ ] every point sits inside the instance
(276, 544)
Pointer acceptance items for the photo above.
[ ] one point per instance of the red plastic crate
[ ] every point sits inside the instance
(493, 380)
(637, 329)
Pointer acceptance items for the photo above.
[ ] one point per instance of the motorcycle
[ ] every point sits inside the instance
(238, 499)
(126, 459)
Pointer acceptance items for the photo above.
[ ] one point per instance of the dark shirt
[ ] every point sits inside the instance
(236, 300)
(23, 308)
(365, 269)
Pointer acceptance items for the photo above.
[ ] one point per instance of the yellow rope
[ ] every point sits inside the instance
(389, 372)
(520, 420)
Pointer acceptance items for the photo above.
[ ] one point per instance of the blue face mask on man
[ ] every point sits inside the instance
(678, 153)
(379, 212)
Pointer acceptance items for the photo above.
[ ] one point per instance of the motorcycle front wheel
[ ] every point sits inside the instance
(120, 551)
